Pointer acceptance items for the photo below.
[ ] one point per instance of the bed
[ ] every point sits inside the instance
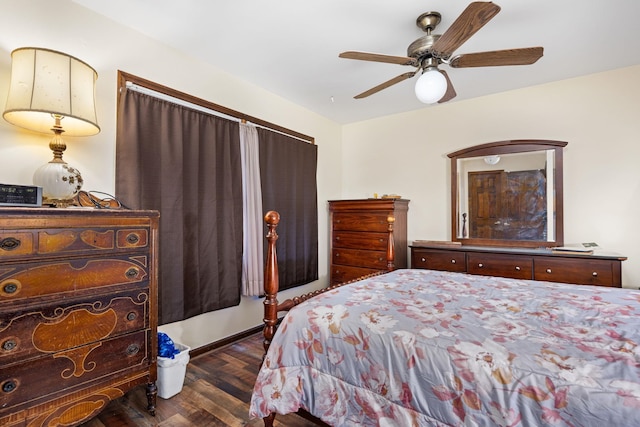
(429, 348)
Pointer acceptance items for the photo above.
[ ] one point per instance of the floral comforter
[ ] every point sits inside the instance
(429, 348)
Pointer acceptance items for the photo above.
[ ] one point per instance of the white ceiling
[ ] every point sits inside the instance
(291, 47)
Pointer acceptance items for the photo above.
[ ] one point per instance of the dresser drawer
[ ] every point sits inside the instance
(70, 241)
(513, 266)
(369, 221)
(58, 373)
(360, 258)
(69, 277)
(576, 270)
(15, 244)
(433, 259)
(360, 240)
(345, 273)
(27, 334)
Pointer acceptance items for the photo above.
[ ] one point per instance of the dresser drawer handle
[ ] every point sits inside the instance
(423, 259)
(132, 273)
(453, 261)
(132, 316)
(9, 243)
(133, 238)
(517, 268)
(480, 265)
(381, 240)
(133, 349)
(338, 238)
(10, 288)
(337, 254)
(9, 386)
(549, 270)
(594, 274)
(9, 345)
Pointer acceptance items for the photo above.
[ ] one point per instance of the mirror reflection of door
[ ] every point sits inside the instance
(507, 205)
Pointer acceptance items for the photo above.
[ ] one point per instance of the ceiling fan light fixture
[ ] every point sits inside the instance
(431, 86)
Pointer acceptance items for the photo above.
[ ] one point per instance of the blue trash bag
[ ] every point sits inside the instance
(166, 347)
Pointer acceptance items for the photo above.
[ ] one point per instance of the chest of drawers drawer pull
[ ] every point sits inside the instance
(480, 265)
(132, 273)
(518, 268)
(548, 270)
(423, 259)
(10, 287)
(594, 274)
(9, 386)
(133, 349)
(453, 261)
(133, 238)
(9, 344)
(9, 244)
(132, 316)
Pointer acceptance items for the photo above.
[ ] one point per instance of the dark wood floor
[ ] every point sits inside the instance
(217, 390)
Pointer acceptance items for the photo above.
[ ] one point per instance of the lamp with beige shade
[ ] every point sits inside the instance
(51, 91)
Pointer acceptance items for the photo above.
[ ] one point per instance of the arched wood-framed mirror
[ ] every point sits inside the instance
(508, 193)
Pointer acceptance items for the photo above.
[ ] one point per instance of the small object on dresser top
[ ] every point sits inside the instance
(447, 243)
(573, 249)
(391, 196)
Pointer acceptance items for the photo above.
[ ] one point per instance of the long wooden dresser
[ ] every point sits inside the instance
(599, 268)
(78, 312)
(359, 236)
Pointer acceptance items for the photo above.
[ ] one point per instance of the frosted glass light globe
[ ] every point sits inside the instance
(431, 86)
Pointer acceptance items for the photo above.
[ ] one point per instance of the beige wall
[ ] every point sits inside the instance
(598, 115)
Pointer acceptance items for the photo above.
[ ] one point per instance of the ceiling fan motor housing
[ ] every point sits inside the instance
(422, 46)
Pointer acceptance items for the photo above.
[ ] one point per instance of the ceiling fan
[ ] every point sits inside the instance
(432, 50)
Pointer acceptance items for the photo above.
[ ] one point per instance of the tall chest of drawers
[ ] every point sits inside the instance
(359, 236)
(78, 312)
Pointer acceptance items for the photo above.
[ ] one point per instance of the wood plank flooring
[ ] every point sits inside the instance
(217, 391)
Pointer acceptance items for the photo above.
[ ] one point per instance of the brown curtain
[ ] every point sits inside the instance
(288, 174)
(185, 164)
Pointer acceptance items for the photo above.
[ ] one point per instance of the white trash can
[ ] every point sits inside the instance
(171, 372)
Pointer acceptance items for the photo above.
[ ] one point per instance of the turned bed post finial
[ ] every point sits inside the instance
(390, 244)
(271, 281)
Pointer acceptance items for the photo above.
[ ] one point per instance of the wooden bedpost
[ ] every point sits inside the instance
(390, 245)
(271, 281)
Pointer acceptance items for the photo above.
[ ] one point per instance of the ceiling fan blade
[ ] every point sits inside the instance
(451, 92)
(376, 57)
(474, 17)
(495, 58)
(376, 89)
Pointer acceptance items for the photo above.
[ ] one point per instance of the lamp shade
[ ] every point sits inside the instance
(431, 86)
(45, 82)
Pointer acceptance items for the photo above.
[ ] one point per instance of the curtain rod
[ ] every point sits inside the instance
(171, 95)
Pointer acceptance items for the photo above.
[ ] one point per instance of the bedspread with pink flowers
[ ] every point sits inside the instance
(429, 348)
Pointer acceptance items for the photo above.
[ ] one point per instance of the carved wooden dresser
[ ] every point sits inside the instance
(359, 236)
(78, 312)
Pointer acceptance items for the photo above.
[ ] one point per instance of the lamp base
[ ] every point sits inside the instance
(60, 183)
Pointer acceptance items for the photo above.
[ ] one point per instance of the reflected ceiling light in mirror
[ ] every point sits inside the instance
(492, 160)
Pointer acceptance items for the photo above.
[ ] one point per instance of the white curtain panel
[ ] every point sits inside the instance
(252, 258)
